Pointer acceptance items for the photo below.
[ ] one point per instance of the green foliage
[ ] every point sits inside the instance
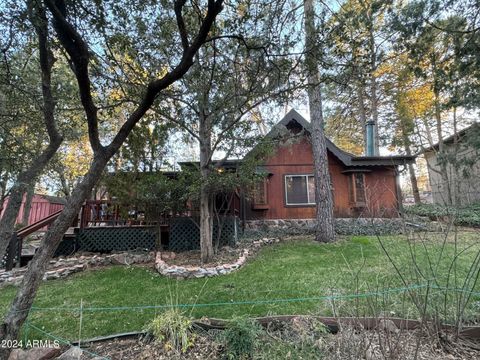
(152, 192)
(173, 329)
(155, 193)
(241, 338)
(465, 216)
(280, 349)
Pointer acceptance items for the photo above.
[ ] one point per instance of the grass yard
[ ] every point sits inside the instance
(295, 269)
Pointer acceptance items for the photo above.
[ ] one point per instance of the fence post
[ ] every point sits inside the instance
(12, 250)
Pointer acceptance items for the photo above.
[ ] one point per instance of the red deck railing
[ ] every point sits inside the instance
(16, 241)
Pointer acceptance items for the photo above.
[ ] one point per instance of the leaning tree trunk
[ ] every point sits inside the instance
(24, 181)
(7, 223)
(25, 296)
(78, 51)
(325, 230)
(27, 178)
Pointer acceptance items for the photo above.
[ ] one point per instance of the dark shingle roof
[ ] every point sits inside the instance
(346, 158)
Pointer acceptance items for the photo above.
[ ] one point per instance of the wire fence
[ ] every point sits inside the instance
(34, 328)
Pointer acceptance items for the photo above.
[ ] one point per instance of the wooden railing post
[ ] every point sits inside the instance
(12, 251)
(82, 215)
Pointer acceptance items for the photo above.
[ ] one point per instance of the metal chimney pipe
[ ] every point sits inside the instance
(370, 137)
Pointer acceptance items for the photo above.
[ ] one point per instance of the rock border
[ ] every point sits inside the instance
(192, 272)
(63, 267)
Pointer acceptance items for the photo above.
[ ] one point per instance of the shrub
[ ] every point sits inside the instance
(174, 329)
(463, 216)
(240, 338)
(343, 226)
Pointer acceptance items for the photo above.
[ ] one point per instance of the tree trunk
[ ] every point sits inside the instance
(441, 146)
(7, 223)
(411, 169)
(325, 229)
(28, 204)
(32, 279)
(206, 219)
(373, 89)
(63, 182)
(24, 181)
(362, 113)
(457, 180)
(78, 51)
(27, 178)
(3, 188)
(206, 225)
(413, 181)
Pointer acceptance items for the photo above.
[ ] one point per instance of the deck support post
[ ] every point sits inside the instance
(12, 251)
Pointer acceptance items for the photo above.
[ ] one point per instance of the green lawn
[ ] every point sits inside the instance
(296, 269)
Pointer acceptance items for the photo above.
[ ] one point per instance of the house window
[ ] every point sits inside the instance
(356, 189)
(299, 190)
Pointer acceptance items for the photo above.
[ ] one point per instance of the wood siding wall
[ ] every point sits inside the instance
(296, 158)
(40, 209)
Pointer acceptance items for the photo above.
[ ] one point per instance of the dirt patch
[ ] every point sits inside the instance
(205, 347)
(305, 338)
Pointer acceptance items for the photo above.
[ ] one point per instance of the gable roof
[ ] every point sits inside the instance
(346, 158)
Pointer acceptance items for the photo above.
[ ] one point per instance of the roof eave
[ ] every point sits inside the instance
(383, 160)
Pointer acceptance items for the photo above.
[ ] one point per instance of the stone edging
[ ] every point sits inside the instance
(189, 272)
(62, 267)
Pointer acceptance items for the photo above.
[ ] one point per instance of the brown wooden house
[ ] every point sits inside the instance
(362, 186)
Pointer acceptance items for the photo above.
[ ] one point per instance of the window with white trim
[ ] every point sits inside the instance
(299, 190)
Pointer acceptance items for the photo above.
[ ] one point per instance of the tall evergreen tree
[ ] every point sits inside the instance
(325, 226)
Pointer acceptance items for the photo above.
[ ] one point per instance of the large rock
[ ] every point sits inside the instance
(388, 325)
(37, 353)
(168, 255)
(74, 353)
(120, 259)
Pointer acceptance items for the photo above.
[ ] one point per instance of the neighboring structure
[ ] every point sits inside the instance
(362, 186)
(42, 206)
(462, 161)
